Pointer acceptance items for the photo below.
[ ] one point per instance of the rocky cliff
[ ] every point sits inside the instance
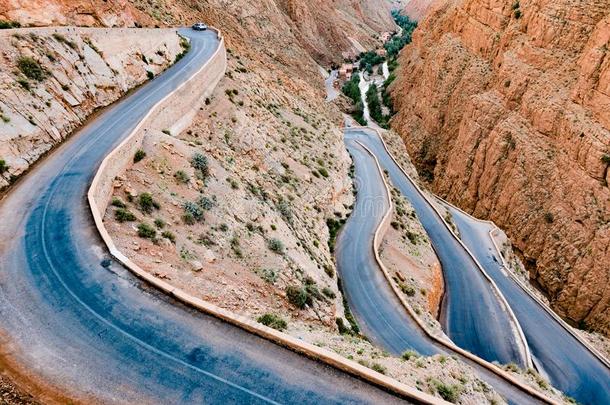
(51, 80)
(504, 106)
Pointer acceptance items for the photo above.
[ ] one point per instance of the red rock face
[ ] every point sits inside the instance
(505, 107)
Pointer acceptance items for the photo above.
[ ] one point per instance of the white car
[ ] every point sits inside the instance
(200, 26)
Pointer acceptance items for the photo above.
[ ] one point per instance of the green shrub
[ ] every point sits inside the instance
(146, 231)
(269, 275)
(188, 218)
(379, 368)
(159, 223)
(117, 202)
(450, 393)
(200, 164)
(169, 236)
(123, 215)
(275, 245)
(410, 354)
(9, 24)
(329, 293)
(150, 75)
(182, 177)
(3, 166)
(273, 321)
(60, 38)
(606, 159)
(297, 296)
(549, 217)
(147, 203)
(139, 155)
(323, 172)
(343, 330)
(31, 68)
(24, 83)
(206, 203)
(166, 131)
(193, 210)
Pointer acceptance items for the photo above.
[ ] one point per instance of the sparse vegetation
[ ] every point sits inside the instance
(139, 155)
(410, 354)
(124, 215)
(269, 275)
(449, 392)
(273, 321)
(169, 236)
(275, 245)
(201, 166)
(192, 213)
(297, 296)
(117, 202)
(9, 24)
(3, 166)
(61, 39)
(146, 231)
(379, 368)
(31, 68)
(181, 177)
(150, 75)
(147, 203)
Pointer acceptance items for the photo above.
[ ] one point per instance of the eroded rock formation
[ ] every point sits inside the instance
(505, 107)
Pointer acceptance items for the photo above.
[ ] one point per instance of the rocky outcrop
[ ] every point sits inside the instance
(416, 9)
(505, 108)
(80, 70)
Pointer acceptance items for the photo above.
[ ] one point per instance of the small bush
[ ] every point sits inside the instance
(206, 203)
(297, 296)
(139, 155)
(159, 223)
(193, 210)
(9, 24)
(166, 131)
(188, 218)
(343, 330)
(146, 231)
(269, 275)
(31, 68)
(276, 245)
(606, 159)
(329, 293)
(200, 164)
(450, 393)
(410, 354)
(379, 368)
(147, 203)
(169, 236)
(549, 217)
(182, 177)
(273, 321)
(24, 83)
(150, 75)
(3, 166)
(117, 202)
(123, 215)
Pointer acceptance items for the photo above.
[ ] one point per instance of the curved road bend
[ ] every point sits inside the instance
(557, 354)
(380, 314)
(471, 314)
(100, 333)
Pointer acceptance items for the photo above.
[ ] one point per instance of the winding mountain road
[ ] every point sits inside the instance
(74, 320)
(471, 314)
(568, 364)
(377, 309)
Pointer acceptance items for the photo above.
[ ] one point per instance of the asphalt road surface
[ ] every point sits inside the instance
(379, 313)
(559, 355)
(95, 331)
(471, 314)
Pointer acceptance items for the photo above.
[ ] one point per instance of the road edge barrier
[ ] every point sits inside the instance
(448, 344)
(282, 339)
